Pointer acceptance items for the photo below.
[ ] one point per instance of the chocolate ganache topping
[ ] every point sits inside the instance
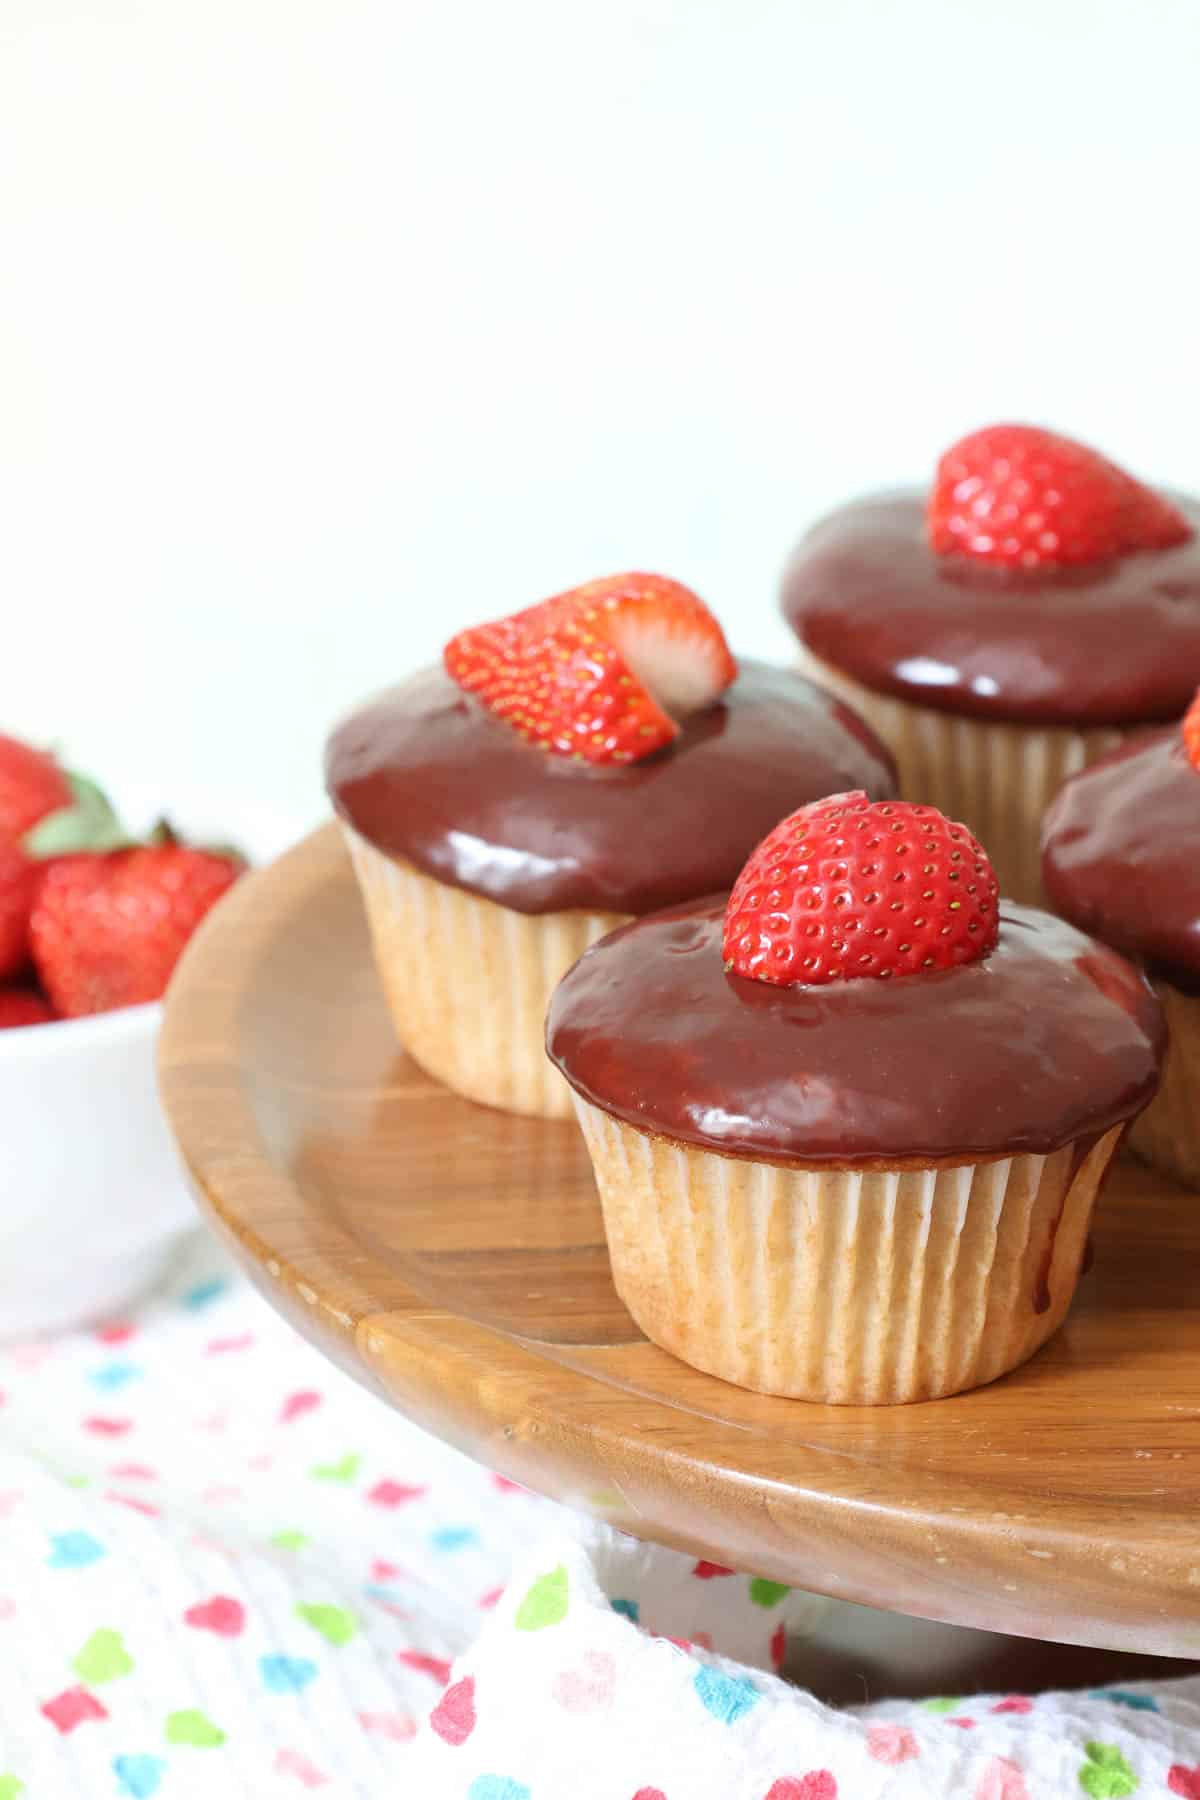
(1121, 854)
(424, 774)
(1049, 1039)
(1110, 643)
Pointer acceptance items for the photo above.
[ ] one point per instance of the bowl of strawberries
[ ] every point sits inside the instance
(92, 923)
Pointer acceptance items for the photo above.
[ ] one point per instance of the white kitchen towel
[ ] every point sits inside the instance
(226, 1570)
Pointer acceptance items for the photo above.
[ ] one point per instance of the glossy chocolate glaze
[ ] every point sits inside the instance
(426, 774)
(1121, 854)
(1113, 644)
(1050, 1039)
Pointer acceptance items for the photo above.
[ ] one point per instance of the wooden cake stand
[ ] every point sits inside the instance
(452, 1258)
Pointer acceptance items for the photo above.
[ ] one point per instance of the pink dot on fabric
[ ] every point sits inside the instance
(74, 1706)
(710, 1571)
(1001, 1780)
(117, 1333)
(223, 1346)
(222, 1615)
(891, 1743)
(132, 1471)
(649, 1794)
(296, 1405)
(434, 1666)
(8, 1607)
(100, 1427)
(297, 1765)
(506, 1486)
(963, 1724)
(778, 1647)
(135, 1503)
(393, 1493)
(386, 1571)
(490, 1599)
(397, 1727)
(1014, 1703)
(453, 1718)
(818, 1784)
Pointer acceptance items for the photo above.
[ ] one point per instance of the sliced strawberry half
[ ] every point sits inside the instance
(1024, 498)
(603, 673)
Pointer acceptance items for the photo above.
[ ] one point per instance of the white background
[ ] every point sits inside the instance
(328, 327)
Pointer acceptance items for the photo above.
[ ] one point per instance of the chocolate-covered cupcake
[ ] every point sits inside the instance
(581, 763)
(1121, 859)
(848, 1127)
(1007, 629)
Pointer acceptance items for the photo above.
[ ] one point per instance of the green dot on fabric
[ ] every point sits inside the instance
(335, 1624)
(10, 1787)
(1106, 1775)
(768, 1593)
(345, 1470)
(103, 1658)
(73, 1481)
(291, 1540)
(194, 1728)
(545, 1603)
(942, 1705)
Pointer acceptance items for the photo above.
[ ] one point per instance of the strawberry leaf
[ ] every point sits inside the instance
(89, 823)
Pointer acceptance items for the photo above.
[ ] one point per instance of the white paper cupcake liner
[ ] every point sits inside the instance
(996, 778)
(1167, 1134)
(468, 981)
(837, 1285)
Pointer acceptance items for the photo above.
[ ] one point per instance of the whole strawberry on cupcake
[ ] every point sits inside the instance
(1121, 859)
(582, 762)
(848, 1125)
(91, 920)
(1005, 628)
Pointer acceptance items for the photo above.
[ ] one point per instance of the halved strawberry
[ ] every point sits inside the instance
(602, 673)
(1025, 498)
(849, 887)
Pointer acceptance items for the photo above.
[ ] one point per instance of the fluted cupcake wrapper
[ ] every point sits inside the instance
(468, 981)
(844, 1286)
(996, 778)
(1167, 1134)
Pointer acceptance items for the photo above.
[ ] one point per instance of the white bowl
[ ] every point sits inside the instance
(92, 1196)
(92, 1192)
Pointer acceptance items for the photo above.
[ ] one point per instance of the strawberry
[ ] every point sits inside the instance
(107, 930)
(1024, 498)
(849, 887)
(19, 877)
(1191, 731)
(23, 1006)
(31, 786)
(602, 673)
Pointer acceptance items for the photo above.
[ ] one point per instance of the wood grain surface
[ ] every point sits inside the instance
(452, 1258)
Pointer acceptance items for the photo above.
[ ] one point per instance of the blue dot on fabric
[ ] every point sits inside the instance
(114, 1375)
(138, 1776)
(727, 1697)
(204, 1293)
(74, 1550)
(287, 1674)
(453, 1537)
(1136, 1702)
(628, 1609)
(497, 1787)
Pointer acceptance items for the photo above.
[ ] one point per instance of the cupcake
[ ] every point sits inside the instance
(583, 762)
(848, 1126)
(1121, 859)
(1005, 630)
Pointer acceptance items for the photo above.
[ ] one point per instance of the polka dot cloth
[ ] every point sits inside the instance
(226, 1570)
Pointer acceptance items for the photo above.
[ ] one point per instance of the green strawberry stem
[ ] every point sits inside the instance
(90, 822)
